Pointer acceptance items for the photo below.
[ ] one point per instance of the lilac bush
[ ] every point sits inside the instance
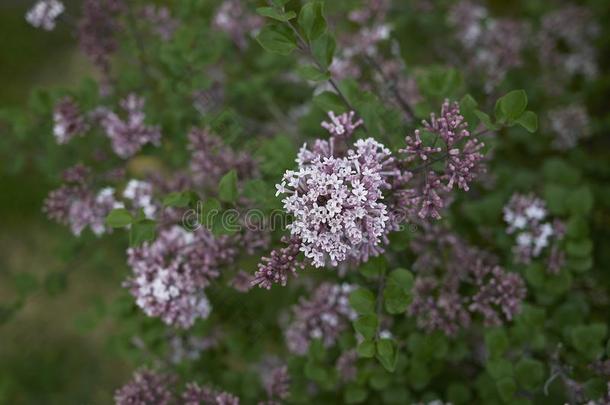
(338, 202)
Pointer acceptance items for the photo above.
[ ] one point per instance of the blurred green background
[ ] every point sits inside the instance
(48, 354)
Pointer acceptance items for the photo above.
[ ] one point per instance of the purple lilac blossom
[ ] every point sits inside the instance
(146, 388)
(337, 202)
(324, 316)
(97, 29)
(44, 13)
(206, 395)
(78, 206)
(140, 193)
(128, 136)
(68, 121)
(460, 153)
(211, 159)
(526, 217)
(170, 274)
(277, 384)
(281, 263)
(446, 267)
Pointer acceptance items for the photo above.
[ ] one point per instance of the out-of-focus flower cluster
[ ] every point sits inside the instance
(236, 21)
(129, 135)
(566, 42)
(77, 205)
(527, 218)
(169, 274)
(456, 282)
(146, 387)
(494, 45)
(569, 125)
(44, 13)
(324, 316)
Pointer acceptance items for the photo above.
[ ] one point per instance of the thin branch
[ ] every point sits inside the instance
(392, 86)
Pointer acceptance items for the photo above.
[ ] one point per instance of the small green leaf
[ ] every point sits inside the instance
(362, 301)
(366, 349)
(179, 199)
(513, 104)
(588, 339)
(397, 292)
(312, 21)
(506, 388)
(496, 342)
(142, 231)
(118, 218)
(366, 325)
(277, 39)
(386, 353)
(529, 121)
(227, 188)
(580, 201)
(355, 394)
(499, 368)
(323, 49)
(529, 373)
(313, 73)
(276, 14)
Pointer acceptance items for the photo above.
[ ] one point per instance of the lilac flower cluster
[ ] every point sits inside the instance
(211, 159)
(169, 274)
(337, 202)
(324, 316)
(281, 263)
(44, 13)
(128, 136)
(277, 385)
(526, 217)
(206, 395)
(494, 45)
(447, 267)
(146, 387)
(140, 193)
(461, 156)
(97, 28)
(68, 121)
(569, 124)
(236, 21)
(75, 204)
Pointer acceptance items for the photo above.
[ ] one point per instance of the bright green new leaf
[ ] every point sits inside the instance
(386, 353)
(227, 187)
(366, 349)
(362, 301)
(529, 121)
(366, 325)
(513, 104)
(118, 218)
(142, 231)
(397, 292)
(277, 38)
(312, 21)
(323, 49)
(276, 14)
(313, 73)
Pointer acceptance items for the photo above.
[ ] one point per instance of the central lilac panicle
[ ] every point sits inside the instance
(146, 387)
(169, 274)
(337, 202)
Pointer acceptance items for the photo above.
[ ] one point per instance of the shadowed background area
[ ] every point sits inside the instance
(48, 351)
